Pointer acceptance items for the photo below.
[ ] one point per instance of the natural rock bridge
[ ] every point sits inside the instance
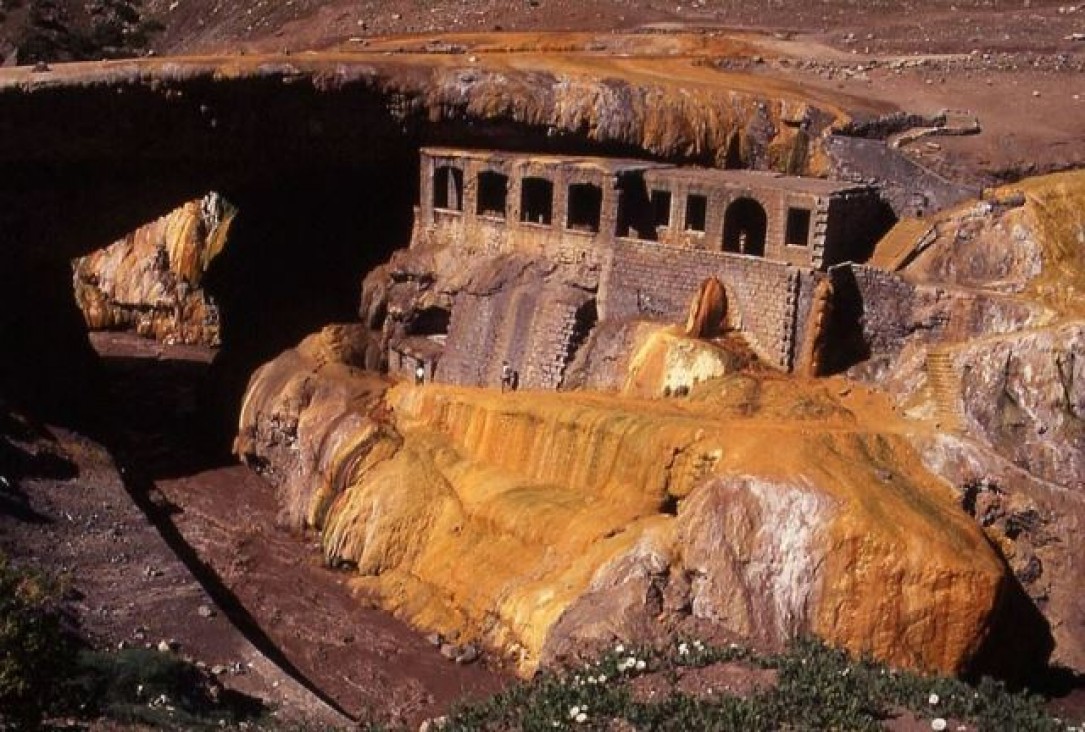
(319, 152)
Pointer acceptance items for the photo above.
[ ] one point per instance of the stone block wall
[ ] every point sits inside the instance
(872, 313)
(656, 282)
(532, 325)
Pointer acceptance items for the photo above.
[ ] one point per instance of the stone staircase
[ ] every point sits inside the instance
(944, 383)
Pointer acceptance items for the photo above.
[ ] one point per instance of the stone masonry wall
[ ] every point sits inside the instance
(871, 314)
(531, 325)
(656, 282)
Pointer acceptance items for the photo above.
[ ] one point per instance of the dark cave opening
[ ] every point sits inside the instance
(297, 254)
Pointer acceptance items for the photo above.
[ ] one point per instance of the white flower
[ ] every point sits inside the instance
(933, 700)
(574, 712)
(683, 649)
(641, 665)
(602, 678)
(581, 718)
(939, 725)
(619, 648)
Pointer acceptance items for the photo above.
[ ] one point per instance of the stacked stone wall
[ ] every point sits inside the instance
(872, 312)
(472, 335)
(531, 326)
(656, 282)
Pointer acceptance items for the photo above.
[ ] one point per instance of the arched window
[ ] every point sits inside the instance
(448, 188)
(744, 227)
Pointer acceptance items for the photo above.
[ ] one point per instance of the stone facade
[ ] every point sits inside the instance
(645, 280)
(534, 327)
(569, 208)
(625, 240)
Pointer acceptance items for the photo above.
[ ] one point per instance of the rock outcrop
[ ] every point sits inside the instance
(989, 343)
(150, 281)
(541, 526)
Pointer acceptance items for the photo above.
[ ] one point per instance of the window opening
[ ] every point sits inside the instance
(798, 227)
(661, 208)
(585, 207)
(448, 188)
(537, 201)
(744, 227)
(696, 212)
(493, 190)
(635, 217)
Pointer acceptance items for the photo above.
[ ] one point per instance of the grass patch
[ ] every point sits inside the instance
(818, 688)
(46, 671)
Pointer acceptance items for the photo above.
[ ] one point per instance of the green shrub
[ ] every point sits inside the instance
(35, 650)
(818, 688)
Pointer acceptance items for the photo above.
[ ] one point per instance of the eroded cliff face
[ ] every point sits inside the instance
(543, 526)
(150, 281)
(154, 132)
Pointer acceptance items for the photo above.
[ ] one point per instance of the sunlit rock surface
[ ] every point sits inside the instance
(150, 281)
(541, 525)
(994, 354)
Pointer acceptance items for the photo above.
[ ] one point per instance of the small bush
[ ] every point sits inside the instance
(35, 649)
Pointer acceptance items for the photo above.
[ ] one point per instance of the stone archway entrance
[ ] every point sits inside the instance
(744, 227)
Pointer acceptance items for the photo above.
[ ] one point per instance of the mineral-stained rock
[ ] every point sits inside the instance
(150, 281)
(1034, 522)
(535, 525)
(988, 346)
(664, 363)
(708, 310)
(1025, 395)
(306, 414)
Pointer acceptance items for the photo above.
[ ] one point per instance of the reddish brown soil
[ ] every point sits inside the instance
(133, 570)
(1018, 64)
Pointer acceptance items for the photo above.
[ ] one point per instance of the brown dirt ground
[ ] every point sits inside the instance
(1019, 65)
(146, 547)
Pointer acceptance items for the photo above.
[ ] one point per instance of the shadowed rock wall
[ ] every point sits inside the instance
(139, 138)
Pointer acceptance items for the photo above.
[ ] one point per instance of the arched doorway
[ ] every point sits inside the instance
(744, 227)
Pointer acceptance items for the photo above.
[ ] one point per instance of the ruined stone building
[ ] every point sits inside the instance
(614, 240)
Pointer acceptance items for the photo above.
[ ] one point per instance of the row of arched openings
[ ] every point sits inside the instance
(745, 222)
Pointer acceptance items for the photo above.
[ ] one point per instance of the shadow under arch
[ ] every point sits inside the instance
(745, 226)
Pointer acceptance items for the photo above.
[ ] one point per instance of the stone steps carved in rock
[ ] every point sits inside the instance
(944, 382)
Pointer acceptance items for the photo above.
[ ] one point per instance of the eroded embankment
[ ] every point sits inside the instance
(541, 526)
